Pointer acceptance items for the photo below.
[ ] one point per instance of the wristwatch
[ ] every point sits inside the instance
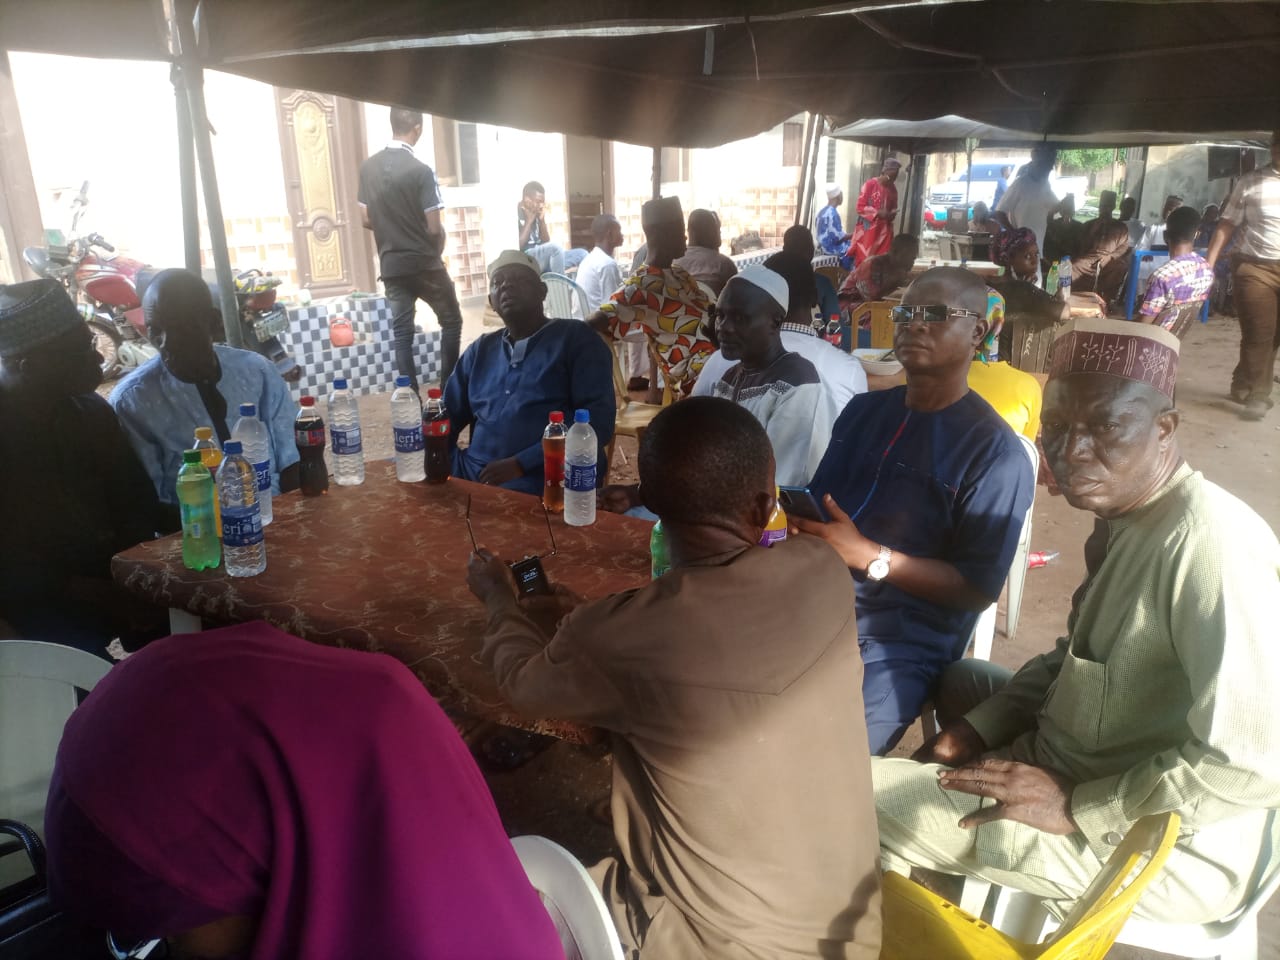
(878, 569)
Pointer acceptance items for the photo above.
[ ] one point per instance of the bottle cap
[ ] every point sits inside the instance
(233, 447)
(339, 383)
(308, 401)
(402, 381)
(204, 433)
(434, 393)
(582, 416)
(191, 456)
(248, 410)
(556, 416)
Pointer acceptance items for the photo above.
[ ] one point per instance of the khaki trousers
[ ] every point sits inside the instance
(1257, 299)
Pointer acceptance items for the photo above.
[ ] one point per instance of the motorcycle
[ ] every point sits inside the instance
(107, 289)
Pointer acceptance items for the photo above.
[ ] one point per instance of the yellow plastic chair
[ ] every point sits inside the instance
(918, 923)
(632, 417)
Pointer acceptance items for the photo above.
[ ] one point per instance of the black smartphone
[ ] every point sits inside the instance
(800, 502)
(530, 577)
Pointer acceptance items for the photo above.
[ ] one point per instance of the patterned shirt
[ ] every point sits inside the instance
(1184, 279)
(1254, 208)
(669, 306)
(831, 235)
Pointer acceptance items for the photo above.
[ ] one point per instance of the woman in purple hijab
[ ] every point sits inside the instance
(247, 794)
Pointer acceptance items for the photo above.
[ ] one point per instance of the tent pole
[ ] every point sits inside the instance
(193, 77)
(657, 172)
(187, 172)
(802, 188)
(819, 126)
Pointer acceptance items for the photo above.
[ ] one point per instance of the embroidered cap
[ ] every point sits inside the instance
(767, 280)
(32, 314)
(660, 211)
(514, 258)
(1119, 348)
(833, 191)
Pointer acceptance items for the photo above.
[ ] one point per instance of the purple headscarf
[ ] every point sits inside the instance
(321, 792)
(1006, 244)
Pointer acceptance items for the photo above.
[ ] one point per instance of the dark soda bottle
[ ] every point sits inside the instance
(553, 462)
(435, 437)
(309, 435)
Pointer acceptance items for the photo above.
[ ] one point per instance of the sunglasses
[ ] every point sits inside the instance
(929, 312)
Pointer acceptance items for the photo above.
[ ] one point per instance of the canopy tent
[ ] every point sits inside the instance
(702, 72)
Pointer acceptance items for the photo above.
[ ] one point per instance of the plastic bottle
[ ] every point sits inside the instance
(1064, 278)
(243, 546)
(1041, 558)
(197, 501)
(1051, 281)
(211, 457)
(659, 558)
(308, 434)
(580, 451)
(256, 439)
(553, 462)
(775, 530)
(435, 437)
(406, 425)
(344, 434)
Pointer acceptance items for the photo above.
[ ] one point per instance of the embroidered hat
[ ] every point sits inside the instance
(892, 163)
(1119, 348)
(660, 211)
(767, 280)
(833, 191)
(32, 314)
(514, 258)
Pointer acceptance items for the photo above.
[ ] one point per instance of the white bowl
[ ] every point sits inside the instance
(869, 357)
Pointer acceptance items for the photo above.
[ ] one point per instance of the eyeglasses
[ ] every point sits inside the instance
(530, 577)
(929, 312)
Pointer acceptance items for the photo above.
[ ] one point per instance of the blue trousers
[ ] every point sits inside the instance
(893, 691)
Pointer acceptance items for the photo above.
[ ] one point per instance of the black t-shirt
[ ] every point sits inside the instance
(398, 188)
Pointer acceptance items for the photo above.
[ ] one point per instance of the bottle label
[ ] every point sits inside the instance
(436, 428)
(770, 537)
(346, 441)
(197, 520)
(242, 526)
(262, 471)
(580, 478)
(310, 437)
(408, 439)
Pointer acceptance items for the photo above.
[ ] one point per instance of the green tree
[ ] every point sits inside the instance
(1088, 159)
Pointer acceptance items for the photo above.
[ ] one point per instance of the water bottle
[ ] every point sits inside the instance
(1064, 278)
(580, 451)
(256, 440)
(553, 463)
(211, 457)
(775, 530)
(308, 434)
(435, 436)
(659, 558)
(344, 434)
(243, 547)
(1051, 281)
(196, 500)
(406, 425)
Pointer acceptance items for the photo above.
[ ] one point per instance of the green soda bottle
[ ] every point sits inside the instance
(659, 559)
(200, 547)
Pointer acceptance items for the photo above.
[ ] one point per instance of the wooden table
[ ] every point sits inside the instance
(983, 268)
(382, 567)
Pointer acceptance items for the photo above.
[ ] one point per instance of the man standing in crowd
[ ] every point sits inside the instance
(400, 202)
(535, 239)
(1002, 184)
(1029, 200)
(1185, 278)
(927, 489)
(1252, 219)
(780, 389)
(740, 804)
(877, 209)
(599, 274)
(702, 258)
(73, 491)
(662, 300)
(195, 382)
(831, 236)
(509, 380)
(1159, 698)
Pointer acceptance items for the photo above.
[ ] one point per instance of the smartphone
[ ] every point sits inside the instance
(800, 502)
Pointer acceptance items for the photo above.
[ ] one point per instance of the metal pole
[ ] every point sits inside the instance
(187, 172)
(657, 172)
(193, 77)
(819, 125)
(802, 186)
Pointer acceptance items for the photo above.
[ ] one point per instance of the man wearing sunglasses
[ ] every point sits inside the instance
(926, 489)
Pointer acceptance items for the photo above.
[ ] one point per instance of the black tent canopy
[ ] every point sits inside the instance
(702, 72)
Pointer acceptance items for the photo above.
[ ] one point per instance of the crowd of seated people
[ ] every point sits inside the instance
(233, 827)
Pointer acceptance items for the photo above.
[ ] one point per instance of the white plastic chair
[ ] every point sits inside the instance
(571, 898)
(39, 684)
(565, 299)
(1018, 572)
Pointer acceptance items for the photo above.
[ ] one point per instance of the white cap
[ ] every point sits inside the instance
(833, 191)
(771, 283)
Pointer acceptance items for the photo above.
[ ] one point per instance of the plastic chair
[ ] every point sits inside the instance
(39, 687)
(571, 898)
(919, 923)
(632, 417)
(565, 299)
(1018, 571)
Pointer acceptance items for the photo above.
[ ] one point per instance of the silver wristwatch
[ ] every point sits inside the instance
(878, 569)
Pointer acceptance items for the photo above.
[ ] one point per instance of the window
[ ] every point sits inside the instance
(677, 164)
(457, 152)
(831, 161)
(792, 143)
